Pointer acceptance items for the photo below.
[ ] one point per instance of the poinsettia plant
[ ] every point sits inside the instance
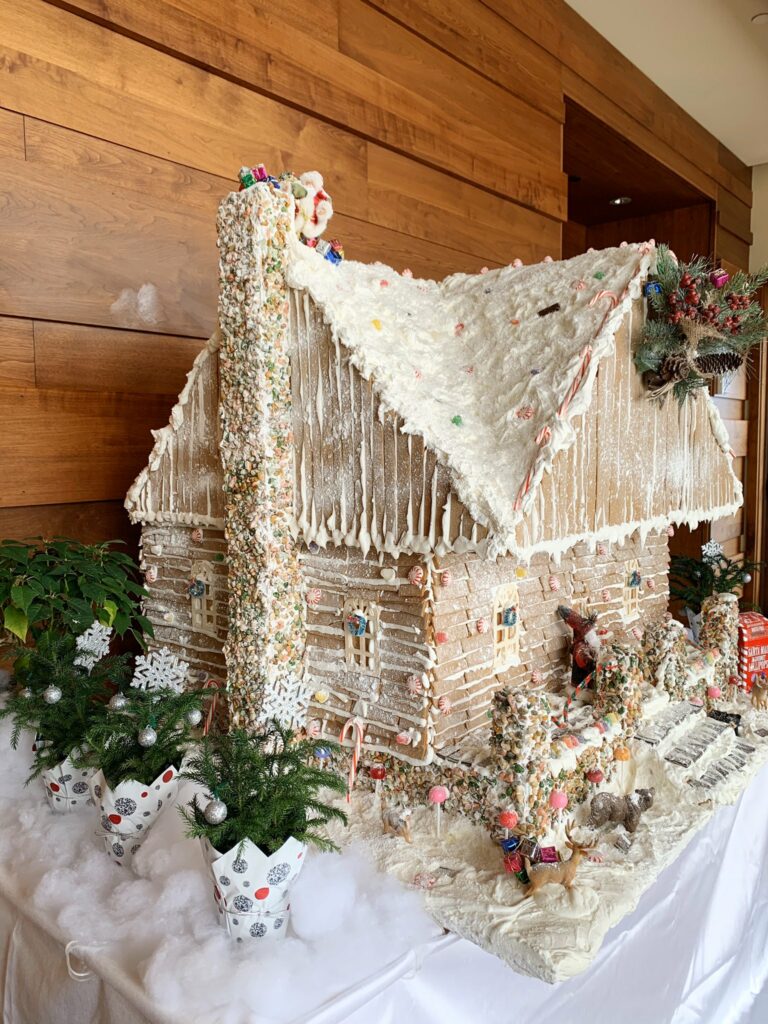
(148, 726)
(704, 322)
(64, 586)
(267, 788)
(693, 580)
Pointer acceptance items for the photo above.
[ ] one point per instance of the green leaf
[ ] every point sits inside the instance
(15, 621)
(22, 597)
(107, 617)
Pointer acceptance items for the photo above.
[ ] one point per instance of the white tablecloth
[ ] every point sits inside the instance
(695, 950)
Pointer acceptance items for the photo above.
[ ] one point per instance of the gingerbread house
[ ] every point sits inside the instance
(375, 490)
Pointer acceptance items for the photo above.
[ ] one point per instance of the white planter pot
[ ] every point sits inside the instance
(67, 788)
(128, 812)
(694, 622)
(252, 890)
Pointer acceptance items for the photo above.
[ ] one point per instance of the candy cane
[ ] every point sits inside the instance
(211, 684)
(605, 294)
(586, 357)
(561, 719)
(357, 725)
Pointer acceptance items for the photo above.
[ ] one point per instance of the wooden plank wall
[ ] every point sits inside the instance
(437, 124)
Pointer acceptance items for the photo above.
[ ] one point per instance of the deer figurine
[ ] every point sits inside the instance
(560, 873)
(759, 697)
(395, 822)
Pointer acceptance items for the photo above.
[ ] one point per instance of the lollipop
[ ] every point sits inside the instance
(379, 773)
(507, 820)
(595, 776)
(437, 796)
(558, 800)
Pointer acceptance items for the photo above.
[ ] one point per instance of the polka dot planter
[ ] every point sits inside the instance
(252, 890)
(127, 813)
(67, 788)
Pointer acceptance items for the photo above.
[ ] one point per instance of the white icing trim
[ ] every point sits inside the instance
(139, 488)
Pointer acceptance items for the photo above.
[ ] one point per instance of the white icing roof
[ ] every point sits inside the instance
(475, 347)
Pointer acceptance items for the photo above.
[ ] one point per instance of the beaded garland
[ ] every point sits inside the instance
(265, 643)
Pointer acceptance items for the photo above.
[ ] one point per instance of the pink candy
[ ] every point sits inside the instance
(314, 596)
(482, 626)
(416, 576)
(558, 800)
(414, 684)
(446, 578)
(438, 795)
(554, 584)
(444, 704)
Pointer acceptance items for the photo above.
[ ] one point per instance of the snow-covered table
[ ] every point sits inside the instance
(695, 950)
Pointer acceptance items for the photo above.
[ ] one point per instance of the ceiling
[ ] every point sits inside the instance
(705, 54)
(602, 165)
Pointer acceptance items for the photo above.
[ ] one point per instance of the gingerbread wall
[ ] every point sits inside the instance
(177, 558)
(464, 671)
(343, 575)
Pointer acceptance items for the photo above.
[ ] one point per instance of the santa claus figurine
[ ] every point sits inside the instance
(586, 643)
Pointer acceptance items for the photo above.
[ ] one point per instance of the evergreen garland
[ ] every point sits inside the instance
(113, 738)
(63, 725)
(693, 580)
(689, 296)
(270, 786)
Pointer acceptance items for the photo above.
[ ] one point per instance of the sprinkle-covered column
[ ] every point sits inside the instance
(720, 630)
(265, 645)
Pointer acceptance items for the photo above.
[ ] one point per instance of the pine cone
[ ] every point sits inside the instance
(674, 367)
(719, 363)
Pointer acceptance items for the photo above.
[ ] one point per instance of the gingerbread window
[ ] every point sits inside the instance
(506, 627)
(202, 598)
(361, 636)
(631, 593)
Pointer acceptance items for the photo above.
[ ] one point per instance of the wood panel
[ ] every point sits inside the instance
(17, 351)
(66, 446)
(478, 37)
(688, 231)
(127, 361)
(66, 235)
(90, 522)
(253, 47)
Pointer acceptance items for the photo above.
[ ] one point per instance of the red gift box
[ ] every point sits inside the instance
(753, 647)
(513, 863)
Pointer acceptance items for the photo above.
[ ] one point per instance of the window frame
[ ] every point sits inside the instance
(362, 653)
(506, 639)
(203, 609)
(630, 596)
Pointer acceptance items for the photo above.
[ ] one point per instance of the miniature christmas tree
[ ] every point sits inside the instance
(148, 727)
(693, 580)
(264, 788)
(63, 684)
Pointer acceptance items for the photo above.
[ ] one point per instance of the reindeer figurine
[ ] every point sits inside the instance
(395, 822)
(759, 699)
(560, 873)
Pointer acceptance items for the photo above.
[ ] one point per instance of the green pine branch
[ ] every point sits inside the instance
(62, 725)
(272, 786)
(113, 738)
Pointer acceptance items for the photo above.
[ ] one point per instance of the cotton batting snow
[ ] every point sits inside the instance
(160, 926)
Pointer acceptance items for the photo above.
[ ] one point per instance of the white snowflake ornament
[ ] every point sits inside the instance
(93, 645)
(711, 551)
(160, 670)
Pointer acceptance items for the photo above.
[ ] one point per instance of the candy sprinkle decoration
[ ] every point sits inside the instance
(554, 308)
(457, 421)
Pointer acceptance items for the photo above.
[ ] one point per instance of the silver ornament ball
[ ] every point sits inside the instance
(747, 577)
(26, 693)
(215, 812)
(52, 695)
(194, 716)
(117, 702)
(147, 737)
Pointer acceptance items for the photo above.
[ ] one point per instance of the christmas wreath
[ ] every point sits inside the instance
(702, 323)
